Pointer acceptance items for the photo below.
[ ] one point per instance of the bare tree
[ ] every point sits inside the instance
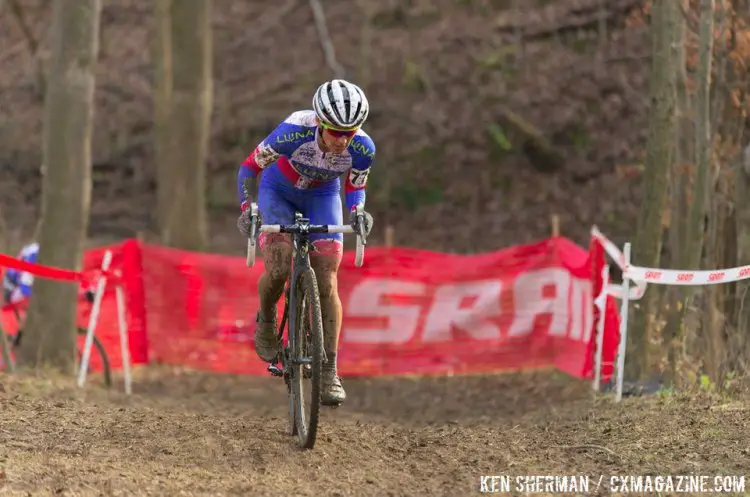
(659, 155)
(50, 330)
(701, 185)
(724, 336)
(162, 57)
(672, 334)
(185, 222)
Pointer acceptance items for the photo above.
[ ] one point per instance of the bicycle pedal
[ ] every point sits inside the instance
(275, 370)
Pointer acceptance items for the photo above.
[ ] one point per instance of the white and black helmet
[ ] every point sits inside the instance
(341, 104)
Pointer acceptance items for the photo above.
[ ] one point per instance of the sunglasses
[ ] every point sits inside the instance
(338, 133)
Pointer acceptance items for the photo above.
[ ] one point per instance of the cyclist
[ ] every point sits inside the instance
(303, 159)
(17, 284)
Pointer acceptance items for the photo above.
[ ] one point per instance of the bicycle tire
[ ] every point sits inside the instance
(15, 341)
(107, 370)
(308, 332)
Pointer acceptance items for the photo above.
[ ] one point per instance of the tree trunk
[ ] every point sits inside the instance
(740, 344)
(162, 57)
(721, 253)
(685, 151)
(50, 330)
(672, 336)
(186, 222)
(701, 184)
(659, 156)
(730, 127)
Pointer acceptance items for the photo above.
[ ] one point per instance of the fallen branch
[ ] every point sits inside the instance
(25, 29)
(557, 18)
(539, 150)
(729, 407)
(265, 22)
(31, 41)
(589, 446)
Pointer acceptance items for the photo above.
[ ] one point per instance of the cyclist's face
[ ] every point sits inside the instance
(336, 141)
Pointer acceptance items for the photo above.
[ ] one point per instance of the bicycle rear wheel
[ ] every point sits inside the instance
(15, 341)
(107, 371)
(307, 351)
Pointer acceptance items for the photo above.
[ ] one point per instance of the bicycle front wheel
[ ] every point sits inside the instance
(307, 358)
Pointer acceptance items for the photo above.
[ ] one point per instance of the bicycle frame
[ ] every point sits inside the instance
(301, 246)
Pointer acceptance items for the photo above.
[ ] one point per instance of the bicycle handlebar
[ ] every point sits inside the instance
(310, 228)
(306, 228)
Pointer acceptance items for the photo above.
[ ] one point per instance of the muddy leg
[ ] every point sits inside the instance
(277, 257)
(325, 262)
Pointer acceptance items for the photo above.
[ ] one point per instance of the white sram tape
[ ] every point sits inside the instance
(635, 292)
(641, 276)
(610, 248)
(683, 277)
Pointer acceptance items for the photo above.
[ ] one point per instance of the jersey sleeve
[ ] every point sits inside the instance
(363, 157)
(281, 142)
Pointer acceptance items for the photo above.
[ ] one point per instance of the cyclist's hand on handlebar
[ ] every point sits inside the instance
(367, 218)
(244, 222)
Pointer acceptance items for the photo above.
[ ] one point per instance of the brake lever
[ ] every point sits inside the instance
(255, 221)
(253, 216)
(361, 225)
(361, 233)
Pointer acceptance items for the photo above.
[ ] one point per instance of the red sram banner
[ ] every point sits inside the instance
(405, 311)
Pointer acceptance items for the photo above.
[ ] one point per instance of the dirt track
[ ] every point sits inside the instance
(197, 434)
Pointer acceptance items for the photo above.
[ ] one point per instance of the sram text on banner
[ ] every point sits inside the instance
(529, 306)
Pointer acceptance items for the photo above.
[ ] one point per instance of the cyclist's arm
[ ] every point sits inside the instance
(356, 181)
(22, 290)
(280, 142)
(263, 155)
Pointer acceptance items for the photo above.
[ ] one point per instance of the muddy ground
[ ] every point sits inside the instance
(185, 433)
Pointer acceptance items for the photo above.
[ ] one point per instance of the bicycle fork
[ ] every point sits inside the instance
(273, 367)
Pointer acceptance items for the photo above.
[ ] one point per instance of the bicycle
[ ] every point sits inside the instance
(15, 342)
(303, 355)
